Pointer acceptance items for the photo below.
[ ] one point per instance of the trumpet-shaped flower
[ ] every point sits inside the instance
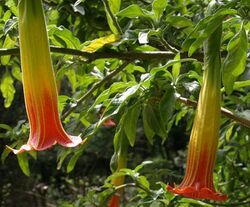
(121, 162)
(39, 83)
(198, 179)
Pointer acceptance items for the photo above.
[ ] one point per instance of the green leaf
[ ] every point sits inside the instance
(7, 16)
(235, 62)
(167, 104)
(11, 4)
(211, 27)
(24, 163)
(119, 135)
(16, 72)
(147, 130)
(179, 21)
(241, 84)
(143, 181)
(64, 37)
(139, 167)
(72, 79)
(114, 5)
(134, 11)
(158, 8)
(180, 115)
(7, 89)
(155, 70)
(9, 25)
(8, 43)
(78, 7)
(62, 102)
(114, 88)
(7, 151)
(130, 121)
(73, 160)
(151, 113)
(192, 201)
(6, 127)
(176, 67)
(203, 29)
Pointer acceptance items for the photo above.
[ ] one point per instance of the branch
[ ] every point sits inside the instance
(242, 121)
(94, 87)
(229, 204)
(146, 55)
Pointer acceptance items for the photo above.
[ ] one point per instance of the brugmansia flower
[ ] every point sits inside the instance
(117, 181)
(120, 160)
(39, 83)
(109, 122)
(198, 179)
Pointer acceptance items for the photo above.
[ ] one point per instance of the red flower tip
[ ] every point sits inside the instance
(114, 201)
(202, 193)
(75, 141)
(109, 122)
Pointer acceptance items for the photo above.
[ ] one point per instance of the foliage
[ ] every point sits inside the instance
(136, 59)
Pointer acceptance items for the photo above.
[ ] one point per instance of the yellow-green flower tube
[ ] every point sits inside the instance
(39, 83)
(120, 162)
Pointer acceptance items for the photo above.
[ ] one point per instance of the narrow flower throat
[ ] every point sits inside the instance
(40, 92)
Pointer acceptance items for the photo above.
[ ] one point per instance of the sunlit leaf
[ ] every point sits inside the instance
(8, 43)
(7, 89)
(100, 42)
(134, 11)
(158, 7)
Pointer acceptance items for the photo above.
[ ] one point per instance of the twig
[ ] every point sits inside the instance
(136, 185)
(224, 111)
(94, 87)
(168, 46)
(110, 13)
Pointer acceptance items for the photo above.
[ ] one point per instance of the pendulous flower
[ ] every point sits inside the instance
(40, 92)
(198, 179)
(118, 162)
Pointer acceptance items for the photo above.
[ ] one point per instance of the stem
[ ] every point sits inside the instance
(242, 121)
(111, 15)
(135, 185)
(229, 204)
(94, 87)
(168, 46)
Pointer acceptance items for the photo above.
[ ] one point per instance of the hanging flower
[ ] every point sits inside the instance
(108, 122)
(39, 83)
(198, 179)
(117, 181)
(114, 201)
(119, 161)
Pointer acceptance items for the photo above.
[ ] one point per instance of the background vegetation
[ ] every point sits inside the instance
(138, 62)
